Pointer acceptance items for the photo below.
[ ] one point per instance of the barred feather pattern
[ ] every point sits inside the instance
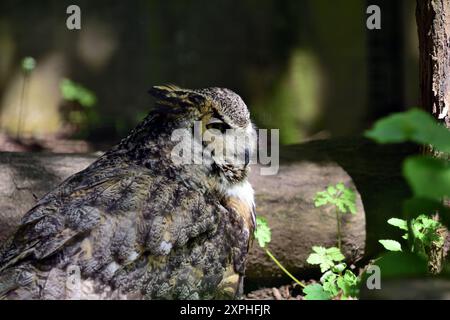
(135, 225)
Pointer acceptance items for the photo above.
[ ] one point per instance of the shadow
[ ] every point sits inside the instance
(376, 171)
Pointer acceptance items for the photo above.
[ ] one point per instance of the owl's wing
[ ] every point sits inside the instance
(74, 209)
(104, 219)
(78, 221)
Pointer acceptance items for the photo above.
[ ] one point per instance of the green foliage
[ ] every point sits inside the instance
(81, 112)
(429, 178)
(316, 292)
(325, 257)
(28, 64)
(424, 231)
(399, 223)
(413, 126)
(401, 265)
(349, 284)
(342, 198)
(425, 234)
(416, 206)
(262, 233)
(336, 279)
(391, 245)
(72, 91)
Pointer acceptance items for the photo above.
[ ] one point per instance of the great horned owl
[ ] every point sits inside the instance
(137, 225)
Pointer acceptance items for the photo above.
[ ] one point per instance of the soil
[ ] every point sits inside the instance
(285, 292)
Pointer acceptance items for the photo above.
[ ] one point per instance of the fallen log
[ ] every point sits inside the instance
(285, 199)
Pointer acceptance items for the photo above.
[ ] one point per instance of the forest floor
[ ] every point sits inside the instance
(286, 292)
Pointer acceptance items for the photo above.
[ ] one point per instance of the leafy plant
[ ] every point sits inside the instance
(424, 231)
(336, 278)
(316, 291)
(72, 91)
(339, 196)
(80, 111)
(263, 235)
(412, 126)
(391, 245)
(429, 179)
(343, 199)
(325, 258)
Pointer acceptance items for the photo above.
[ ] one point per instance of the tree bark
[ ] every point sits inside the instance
(433, 25)
(286, 199)
(433, 22)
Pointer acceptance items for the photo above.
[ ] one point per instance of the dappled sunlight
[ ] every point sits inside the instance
(295, 100)
(41, 100)
(97, 44)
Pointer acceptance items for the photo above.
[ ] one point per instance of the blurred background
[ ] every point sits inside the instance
(308, 67)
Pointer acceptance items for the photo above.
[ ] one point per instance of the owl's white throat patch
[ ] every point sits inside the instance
(243, 191)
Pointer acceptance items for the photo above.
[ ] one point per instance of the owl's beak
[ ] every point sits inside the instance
(247, 156)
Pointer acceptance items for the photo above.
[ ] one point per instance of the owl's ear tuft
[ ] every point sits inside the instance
(173, 95)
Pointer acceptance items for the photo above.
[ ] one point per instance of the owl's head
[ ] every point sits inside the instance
(228, 137)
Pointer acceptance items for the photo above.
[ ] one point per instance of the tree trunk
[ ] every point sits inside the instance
(433, 22)
(433, 25)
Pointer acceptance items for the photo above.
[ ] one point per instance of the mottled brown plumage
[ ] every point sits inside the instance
(136, 225)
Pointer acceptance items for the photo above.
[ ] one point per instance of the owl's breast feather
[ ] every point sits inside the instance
(240, 198)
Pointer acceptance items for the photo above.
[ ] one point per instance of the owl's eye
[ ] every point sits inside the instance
(218, 125)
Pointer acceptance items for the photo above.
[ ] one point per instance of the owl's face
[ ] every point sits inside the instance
(227, 139)
(228, 133)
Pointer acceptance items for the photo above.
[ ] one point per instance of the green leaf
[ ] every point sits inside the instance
(315, 292)
(401, 264)
(348, 283)
(428, 177)
(350, 277)
(322, 198)
(325, 258)
(331, 190)
(73, 91)
(425, 229)
(342, 198)
(399, 223)
(328, 276)
(262, 232)
(414, 207)
(340, 186)
(415, 126)
(329, 285)
(315, 258)
(391, 245)
(335, 254)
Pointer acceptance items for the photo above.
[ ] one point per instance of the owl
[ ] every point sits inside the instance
(136, 224)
